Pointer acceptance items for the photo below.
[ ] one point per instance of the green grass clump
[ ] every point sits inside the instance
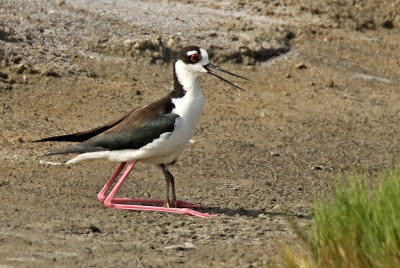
(358, 226)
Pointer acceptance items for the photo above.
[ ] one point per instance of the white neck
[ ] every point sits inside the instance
(192, 103)
(188, 79)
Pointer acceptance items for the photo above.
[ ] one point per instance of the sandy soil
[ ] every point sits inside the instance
(324, 98)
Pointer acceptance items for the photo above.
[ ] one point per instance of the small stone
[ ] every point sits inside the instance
(317, 168)
(94, 229)
(173, 42)
(331, 83)
(301, 66)
(286, 94)
(34, 70)
(129, 43)
(16, 59)
(156, 55)
(136, 45)
(275, 154)
(243, 49)
(52, 73)
(184, 246)
(290, 35)
(157, 42)
(21, 68)
(388, 24)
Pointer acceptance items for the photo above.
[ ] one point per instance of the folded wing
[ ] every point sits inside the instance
(131, 131)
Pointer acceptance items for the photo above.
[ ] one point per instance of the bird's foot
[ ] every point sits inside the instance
(183, 208)
(182, 211)
(170, 204)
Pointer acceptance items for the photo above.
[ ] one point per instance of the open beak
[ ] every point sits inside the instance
(209, 65)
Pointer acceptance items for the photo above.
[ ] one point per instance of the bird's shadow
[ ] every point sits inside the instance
(253, 213)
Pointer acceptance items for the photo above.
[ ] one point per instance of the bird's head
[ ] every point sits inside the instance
(193, 62)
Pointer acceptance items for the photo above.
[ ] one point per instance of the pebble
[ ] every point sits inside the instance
(331, 83)
(34, 70)
(317, 168)
(277, 207)
(184, 246)
(263, 216)
(21, 68)
(43, 162)
(301, 66)
(95, 229)
(51, 73)
(129, 42)
(275, 154)
(173, 42)
(157, 41)
(388, 24)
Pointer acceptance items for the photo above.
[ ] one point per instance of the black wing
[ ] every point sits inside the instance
(129, 139)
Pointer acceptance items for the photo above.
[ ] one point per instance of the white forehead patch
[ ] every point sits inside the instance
(204, 55)
(192, 52)
(203, 52)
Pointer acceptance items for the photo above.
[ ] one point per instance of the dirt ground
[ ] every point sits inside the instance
(324, 98)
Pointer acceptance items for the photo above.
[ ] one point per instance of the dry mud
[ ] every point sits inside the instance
(324, 99)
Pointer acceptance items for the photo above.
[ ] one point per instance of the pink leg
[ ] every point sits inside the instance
(102, 194)
(126, 203)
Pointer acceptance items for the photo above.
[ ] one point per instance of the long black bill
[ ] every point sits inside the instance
(208, 66)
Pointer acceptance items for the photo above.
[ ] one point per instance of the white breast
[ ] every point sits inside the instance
(169, 146)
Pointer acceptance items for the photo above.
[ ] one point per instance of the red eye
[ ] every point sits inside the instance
(194, 58)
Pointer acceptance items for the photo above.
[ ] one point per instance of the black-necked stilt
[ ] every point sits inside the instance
(156, 133)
